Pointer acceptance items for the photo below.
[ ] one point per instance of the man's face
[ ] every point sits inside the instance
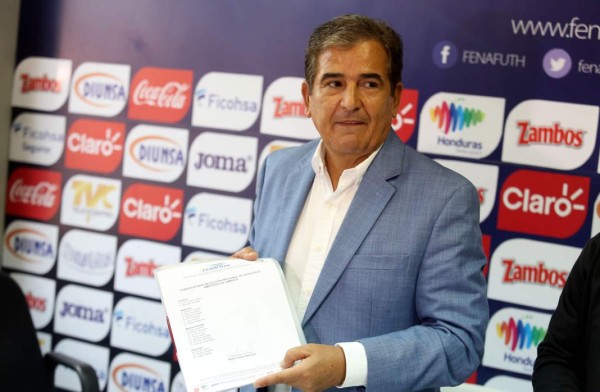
(351, 102)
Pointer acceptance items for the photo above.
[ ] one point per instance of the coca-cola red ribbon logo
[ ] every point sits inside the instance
(548, 204)
(34, 193)
(159, 94)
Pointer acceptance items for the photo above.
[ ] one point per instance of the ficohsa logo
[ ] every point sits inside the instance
(41, 83)
(99, 89)
(227, 101)
(95, 146)
(155, 153)
(548, 204)
(30, 246)
(555, 135)
(140, 325)
(512, 338)
(151, 211)
(461, 125)
(224, 162)
(530, 273)
(129, 371)
(37, 138)
(216, 222)
(284, 112)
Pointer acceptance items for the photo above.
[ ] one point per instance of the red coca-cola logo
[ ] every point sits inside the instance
(548, 204)
(404, 123)
(95, 146)
(162, 95)
(151, 212)
(34, 193)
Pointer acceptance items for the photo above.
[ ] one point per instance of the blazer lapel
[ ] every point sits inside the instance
(370, 200)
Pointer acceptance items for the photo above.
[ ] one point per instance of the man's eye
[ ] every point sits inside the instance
(334, 83)
(371, 84)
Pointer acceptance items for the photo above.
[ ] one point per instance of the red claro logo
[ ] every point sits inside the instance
(404, 123)
(34, 193)
(151, 212)
(548, 204)
(95, 146)
(159, 94)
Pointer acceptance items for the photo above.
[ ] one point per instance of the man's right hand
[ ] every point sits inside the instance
(247, 253)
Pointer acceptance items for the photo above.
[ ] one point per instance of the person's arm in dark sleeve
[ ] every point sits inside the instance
(559, 362)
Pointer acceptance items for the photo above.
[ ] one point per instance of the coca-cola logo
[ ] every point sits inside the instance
(151, 211)
(548, 204)
(95, 146)
(159, 94)
(34, 193)
(170, 95)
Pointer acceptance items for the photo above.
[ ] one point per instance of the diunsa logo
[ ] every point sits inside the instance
(548, 204)
(99, 89)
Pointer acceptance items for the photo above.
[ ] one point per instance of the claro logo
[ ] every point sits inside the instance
(151, 212)
(95, 146)
(553, 205)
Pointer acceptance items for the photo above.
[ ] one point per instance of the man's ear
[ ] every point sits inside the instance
(397, 94)
(306, 96)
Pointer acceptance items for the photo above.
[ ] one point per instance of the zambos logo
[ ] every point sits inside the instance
(455, 117)
(520, 334)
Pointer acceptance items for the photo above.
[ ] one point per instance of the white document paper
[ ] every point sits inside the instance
(232, 320)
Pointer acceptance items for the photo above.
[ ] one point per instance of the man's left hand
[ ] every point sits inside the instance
(320, 367)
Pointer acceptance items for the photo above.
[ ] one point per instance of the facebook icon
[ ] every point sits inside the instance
(445, 54)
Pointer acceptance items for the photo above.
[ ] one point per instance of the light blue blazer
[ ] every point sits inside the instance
(403, 275)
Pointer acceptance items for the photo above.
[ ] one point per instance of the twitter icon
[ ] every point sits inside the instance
(557, 63)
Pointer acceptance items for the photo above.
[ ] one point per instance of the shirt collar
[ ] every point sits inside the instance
(356, 173)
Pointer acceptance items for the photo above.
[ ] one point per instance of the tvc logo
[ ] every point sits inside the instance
(548, 204)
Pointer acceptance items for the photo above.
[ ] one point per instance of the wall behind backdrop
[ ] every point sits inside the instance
(138, 127)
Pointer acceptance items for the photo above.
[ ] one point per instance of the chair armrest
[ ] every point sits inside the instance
(86, 373)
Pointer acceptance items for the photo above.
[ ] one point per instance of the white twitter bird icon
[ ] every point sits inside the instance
(557, 64)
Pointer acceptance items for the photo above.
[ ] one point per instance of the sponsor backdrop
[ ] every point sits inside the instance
(138, 127)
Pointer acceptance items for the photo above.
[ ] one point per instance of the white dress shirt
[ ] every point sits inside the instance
(317, 227)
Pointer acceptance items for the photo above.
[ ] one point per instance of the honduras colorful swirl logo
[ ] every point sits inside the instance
(455, 117)
(520, 334)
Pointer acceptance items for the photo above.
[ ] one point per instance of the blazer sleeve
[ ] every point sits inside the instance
(451, 303)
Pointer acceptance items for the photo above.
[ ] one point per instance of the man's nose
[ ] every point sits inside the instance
(351, 98)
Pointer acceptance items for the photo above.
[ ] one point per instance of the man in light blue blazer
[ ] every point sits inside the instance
(382, 243)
